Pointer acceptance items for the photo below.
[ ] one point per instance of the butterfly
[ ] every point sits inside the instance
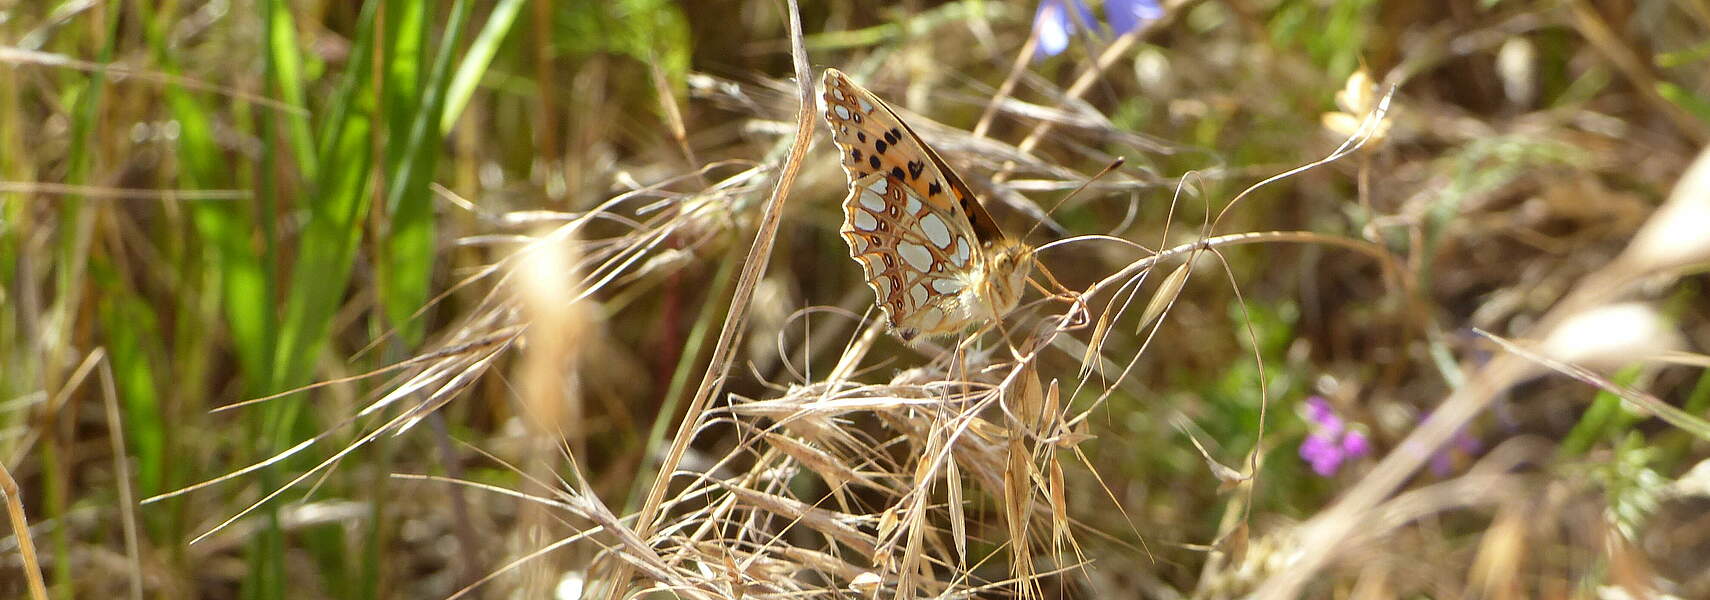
(931, 252)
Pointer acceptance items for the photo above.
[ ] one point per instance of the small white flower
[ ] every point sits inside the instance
(1517, 67)
(569, 587)
(1357, 99)
(866, 584)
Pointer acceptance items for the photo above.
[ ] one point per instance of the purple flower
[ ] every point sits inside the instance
(1356, 444)
(1320, 413)
(1462, 446)
(1321, 452)
(1126, 15)
(1054, 24)
(1331, 442)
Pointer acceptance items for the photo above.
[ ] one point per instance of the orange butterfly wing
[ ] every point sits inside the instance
(923, 239)
(875, 140)
(918, 269)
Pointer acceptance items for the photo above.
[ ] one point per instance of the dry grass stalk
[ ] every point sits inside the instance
(548, 380)
(21, 530)
(1351, 515)
(759, 255)
(127, 498)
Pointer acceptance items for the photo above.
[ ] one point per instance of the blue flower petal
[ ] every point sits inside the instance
(1053, 25)
(1126, 15)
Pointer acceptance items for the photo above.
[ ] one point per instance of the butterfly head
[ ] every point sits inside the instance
(1008, 263)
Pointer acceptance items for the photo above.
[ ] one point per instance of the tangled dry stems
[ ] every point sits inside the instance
(948, 480)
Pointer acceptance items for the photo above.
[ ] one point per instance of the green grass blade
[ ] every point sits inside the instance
(409, 257)
(476, 60)
(72, 260)
(333, 222)
(287, 69)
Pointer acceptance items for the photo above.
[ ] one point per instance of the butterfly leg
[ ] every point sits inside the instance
(1077, 302)
(1003, 332)
(1063, 291)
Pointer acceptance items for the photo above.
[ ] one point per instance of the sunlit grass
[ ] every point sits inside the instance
(479, 261)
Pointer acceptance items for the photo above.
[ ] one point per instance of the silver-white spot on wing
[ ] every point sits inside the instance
(881, 185)
(918, 294)
(962, 253)
(872, 201)
(916, 255)
(841, 112)
(935, 230)
(864, 220)
(882, 285)
(865, 106)
(948, 286)
(913, 204)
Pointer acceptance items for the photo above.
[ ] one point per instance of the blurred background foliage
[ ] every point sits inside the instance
(208, 202)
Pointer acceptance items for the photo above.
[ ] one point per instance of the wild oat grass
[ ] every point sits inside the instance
(531, 299)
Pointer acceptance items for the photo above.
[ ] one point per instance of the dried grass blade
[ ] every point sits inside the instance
(1096, 342)
(1168, 291)
(1663, 410)
(958, 521)
(21, 529)
(1059, 507)
(759, 256)
(833, 524)
(1018, 510)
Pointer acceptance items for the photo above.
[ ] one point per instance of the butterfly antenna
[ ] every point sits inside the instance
(1114, 165)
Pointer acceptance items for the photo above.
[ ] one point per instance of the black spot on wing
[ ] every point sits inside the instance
(873, 160)
(897, 173)
(934, 189)
(856, 153)
(880, 146)
(914, 168)
(860, 136)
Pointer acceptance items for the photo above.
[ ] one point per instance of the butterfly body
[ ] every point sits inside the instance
(933, 255)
